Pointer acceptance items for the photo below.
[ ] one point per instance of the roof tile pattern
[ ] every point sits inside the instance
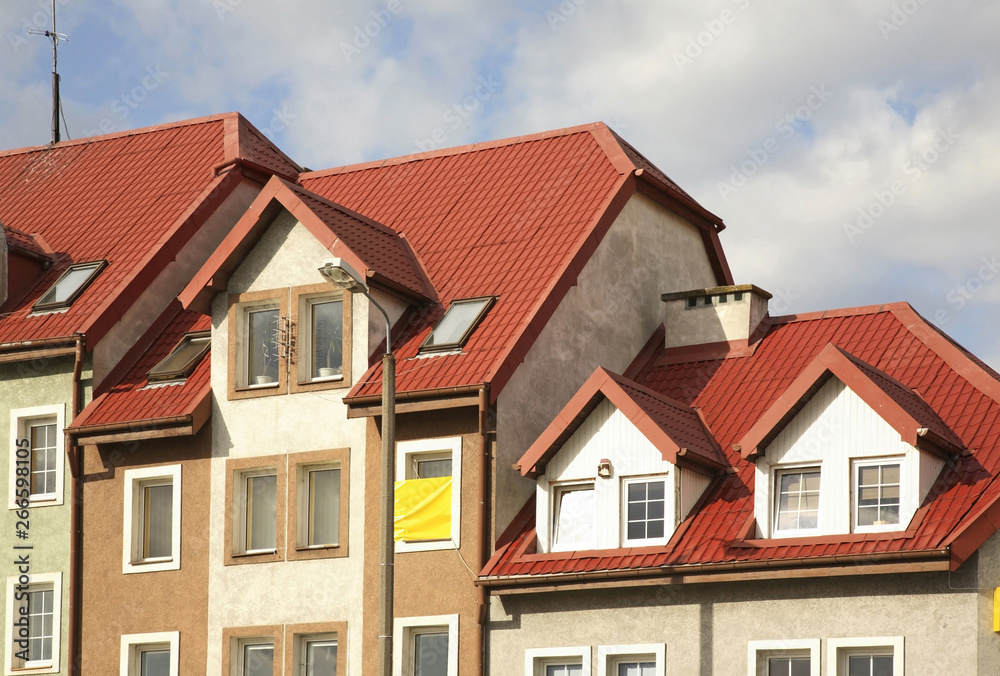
(131, 398)
(24, 241)
(502, 219)
(381, 248)
(117, 198)
(733, 393)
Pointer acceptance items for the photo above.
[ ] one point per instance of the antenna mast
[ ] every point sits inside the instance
(55, 37)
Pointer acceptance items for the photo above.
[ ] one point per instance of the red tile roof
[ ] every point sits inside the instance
(961, 510)
(369, 246)
(516, 219)
(917, 423)
(676, 429)
(132, 198)
(31, 244)
(128, 397)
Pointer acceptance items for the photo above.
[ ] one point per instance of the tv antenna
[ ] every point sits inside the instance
(55, 37)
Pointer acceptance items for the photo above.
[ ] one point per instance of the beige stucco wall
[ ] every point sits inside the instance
(603, 321)
(172, 280)
(320, 590)
(706, 627)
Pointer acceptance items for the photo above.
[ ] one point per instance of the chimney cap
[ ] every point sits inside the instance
(716, 290)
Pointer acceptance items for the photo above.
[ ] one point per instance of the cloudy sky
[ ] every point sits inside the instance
(851, 146)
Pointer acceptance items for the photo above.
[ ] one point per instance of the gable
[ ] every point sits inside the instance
(832, 433)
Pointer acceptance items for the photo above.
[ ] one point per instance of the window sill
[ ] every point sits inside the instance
(147, 562)
(256, 552)
(258, 386)
(315, 548)
(327, 379)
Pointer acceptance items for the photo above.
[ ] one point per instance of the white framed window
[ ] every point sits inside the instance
(790, 657)
(150, 654)
(425, 646)
(572, 661)
(34, 612)
(253, 656)
(644, 511)
(152, 519)
(316, 654)
(323, 348)
(642, 659)
(256, 511)
(318, 493)
(796, 499)
(36, 457)
(432, 461)
(876, 488)
(573, 517)
(865, 656)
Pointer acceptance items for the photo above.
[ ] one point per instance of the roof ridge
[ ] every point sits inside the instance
(454, 150)
(839, 312)
(219, 117)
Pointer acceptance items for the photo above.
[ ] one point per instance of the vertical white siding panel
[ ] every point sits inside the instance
(833, 429)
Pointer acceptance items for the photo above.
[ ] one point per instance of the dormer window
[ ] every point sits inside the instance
(69, 286)
(876, 494)
(797, 506)
(457, 324)
(181, 361)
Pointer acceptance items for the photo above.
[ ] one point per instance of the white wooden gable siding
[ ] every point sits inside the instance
(835, 428)
(606, 433)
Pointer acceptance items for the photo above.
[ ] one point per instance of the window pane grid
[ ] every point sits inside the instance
(157, 521)
(636, 668)
(43, 459)
(324, 507)
(798, 500)
(788, 666)
(154, 662)
(869, 665)
(645, 510)
(320, 657)
(326, 331)
(258, 659)
(430, 654)
(574, 522)
(878, 495)
(563, 669)
(40, 624)
(262, 346)
(261, 512)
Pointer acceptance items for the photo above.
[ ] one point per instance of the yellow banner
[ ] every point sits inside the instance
(423, 509)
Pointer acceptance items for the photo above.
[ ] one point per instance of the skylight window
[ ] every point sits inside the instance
(68, 287)
(458, 322)
(182, 360)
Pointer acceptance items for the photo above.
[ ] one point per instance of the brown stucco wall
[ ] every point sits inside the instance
(432, 582)
(173, 600)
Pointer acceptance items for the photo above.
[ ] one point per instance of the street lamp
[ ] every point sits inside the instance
(339, 273)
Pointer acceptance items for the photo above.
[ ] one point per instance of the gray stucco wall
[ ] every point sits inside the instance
(603, 321)
(706, 627)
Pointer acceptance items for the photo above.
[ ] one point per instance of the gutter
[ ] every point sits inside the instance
(911, 561)
(42, 348)
(482, 593)
(74, 457)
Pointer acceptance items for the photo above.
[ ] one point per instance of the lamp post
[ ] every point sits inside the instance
(339, 273)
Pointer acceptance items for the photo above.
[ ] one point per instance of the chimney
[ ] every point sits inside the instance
(713, 315)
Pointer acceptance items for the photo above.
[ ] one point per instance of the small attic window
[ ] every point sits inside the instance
(458, 322)
(182, 360)
(69, 286)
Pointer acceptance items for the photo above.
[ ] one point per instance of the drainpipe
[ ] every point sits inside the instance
(484, 522)
(74, 457)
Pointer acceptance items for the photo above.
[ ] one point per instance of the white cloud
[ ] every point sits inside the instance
(700, 88)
